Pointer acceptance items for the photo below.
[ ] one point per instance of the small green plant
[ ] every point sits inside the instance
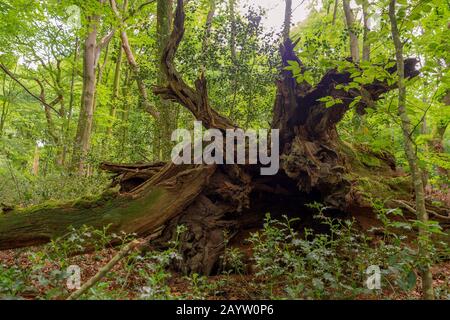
(333, 265)
(13, 281)
(232, 258)
(155, 269)
(200, 287)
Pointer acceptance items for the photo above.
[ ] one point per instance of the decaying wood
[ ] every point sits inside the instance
(142, 211)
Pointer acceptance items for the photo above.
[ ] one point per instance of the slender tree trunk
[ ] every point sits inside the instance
(51, 127)
(234, 57)
(115, 90)
(350, 21)
(168, 121)
(208, 25)
(425, 149)
(92, 51)
(336, 4)
(35, 167)
(125, 111)
(437, 143)
(233, 31)
(62, 113)
(136, 72)
(71, 99)
(132, 62)
(101, 70)
(366, 44)
(422, 215)
(82, 138)
(287, 20)
(5, 105)
(3, 116)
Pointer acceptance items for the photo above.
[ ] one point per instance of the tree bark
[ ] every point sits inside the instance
(437, 142)
(233, 31)
(84, 128)
(208, 24)
(336, 4)
(91, 55)
(71, 98)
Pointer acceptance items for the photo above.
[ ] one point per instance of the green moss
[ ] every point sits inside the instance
(381, 187)
(401, 184)
(348, 149)
(134, 209)
(48, 205)
(369, 160)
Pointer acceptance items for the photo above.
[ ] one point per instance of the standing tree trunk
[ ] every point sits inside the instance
(350, 21)
(91, 55)
(82, 138)
(115, 90)
(336, 4)
(71, 99)
(366, 44)
(51, 127)
(132, 61)
(437, 143)
(287, 20)
(422, 215)
(208, 24)
(35, 166)
(233, 31)
(167, 110)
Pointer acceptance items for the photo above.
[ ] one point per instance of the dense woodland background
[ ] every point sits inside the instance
(77, 83)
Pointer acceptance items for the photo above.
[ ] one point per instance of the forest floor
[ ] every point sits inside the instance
(34, 273)
(228, 287)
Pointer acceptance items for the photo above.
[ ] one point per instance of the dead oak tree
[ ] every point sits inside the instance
(315, 165)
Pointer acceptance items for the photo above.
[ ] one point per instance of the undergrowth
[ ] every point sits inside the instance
(286, 263)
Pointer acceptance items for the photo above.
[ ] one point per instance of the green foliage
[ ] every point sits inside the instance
(13, 281)
(289, 263)
(332, 265)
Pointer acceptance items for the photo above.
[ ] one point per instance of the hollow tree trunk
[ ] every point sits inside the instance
(154, 198)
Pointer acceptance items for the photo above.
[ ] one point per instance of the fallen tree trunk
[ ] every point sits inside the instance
(139, 211)
(315, 166)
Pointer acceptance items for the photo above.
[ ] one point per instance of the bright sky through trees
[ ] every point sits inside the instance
(275, 11)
